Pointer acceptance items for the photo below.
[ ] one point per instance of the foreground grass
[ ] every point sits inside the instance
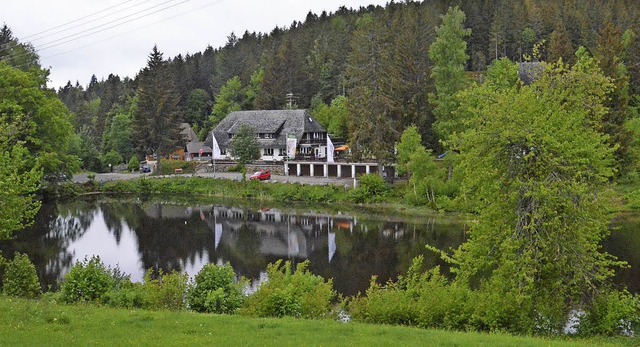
(24, 322)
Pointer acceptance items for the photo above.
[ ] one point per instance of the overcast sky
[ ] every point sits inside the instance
(117, 35)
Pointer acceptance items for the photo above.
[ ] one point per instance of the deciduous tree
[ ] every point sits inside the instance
(539, 167)
(39, 121)
(230, 99)
(19, 181)
(244, 148)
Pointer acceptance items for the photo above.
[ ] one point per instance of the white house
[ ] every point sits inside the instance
(271, 129)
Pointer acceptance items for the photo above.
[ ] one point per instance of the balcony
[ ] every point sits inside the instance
(310, 141)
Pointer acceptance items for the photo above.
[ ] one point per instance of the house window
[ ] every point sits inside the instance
(265, 135)
(282, 152)
(305, 150)
(268, 151)
(223, 151)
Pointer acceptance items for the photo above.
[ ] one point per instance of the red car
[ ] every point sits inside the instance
(261, 175)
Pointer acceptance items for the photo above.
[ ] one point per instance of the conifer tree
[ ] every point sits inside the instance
(610, 54)
(156, 123)
(560, 46)
(448, 53)
(371, 120)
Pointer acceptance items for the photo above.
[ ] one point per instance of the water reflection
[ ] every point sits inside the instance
(136, 236)
(350, 248)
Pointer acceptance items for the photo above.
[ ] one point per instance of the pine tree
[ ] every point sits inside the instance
(409, 71)
(560, 46)
(371, 122)
(156, 123)
(610, 53)
(198, 107)
(448, 53)
(19, 55)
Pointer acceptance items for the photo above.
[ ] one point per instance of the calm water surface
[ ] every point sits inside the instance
(348, 247)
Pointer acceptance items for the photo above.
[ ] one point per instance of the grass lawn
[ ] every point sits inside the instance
(42, 323)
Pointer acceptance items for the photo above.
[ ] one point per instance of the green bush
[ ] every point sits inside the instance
(20, 278)
(167, 291)
(215, 290)
(88, 280)
(287, 193)
(128, 295)
(168, 167)
(612, 313)
(384, 304)
(419, 298)
(295, 294)
(134, 164)
(506, 309)
(372, 188)
(143, 186)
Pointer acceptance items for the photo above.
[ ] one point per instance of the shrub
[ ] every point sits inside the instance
(144, 185)
(128, 295)
(419, 298)
(612, 313)
(287, 193)
(88, 280)
(165, 292)
(384, 304)
(168, 167)
(372, 188)
(20, 278)
(297, 294)
(134, 164)
(215, 290)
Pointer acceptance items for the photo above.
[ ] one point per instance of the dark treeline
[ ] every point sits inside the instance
(377, 57)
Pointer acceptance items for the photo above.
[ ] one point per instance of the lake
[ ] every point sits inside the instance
(348, 246)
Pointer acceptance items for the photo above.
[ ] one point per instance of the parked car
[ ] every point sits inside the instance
(145, 168)
(261, 175)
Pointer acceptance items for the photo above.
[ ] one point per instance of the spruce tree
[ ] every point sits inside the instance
(156, 123)
(448, 53)
(371, 123)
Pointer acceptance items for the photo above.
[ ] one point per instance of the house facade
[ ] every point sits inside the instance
(273, 130)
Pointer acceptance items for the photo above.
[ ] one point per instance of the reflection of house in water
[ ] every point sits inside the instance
(286, 235)
(277, 234)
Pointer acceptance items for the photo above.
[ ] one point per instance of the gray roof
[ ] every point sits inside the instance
(279, 123)
(187, 132)
(529, 71)
(196, 146)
